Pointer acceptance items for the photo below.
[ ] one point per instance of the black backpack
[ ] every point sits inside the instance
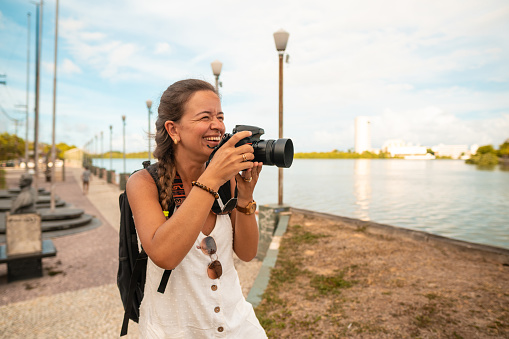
(132, 264)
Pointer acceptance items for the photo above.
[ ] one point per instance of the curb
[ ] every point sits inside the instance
(262, 279)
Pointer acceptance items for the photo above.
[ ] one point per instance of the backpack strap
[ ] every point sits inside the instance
(137, 271)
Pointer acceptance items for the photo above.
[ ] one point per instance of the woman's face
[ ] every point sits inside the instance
(201, 127)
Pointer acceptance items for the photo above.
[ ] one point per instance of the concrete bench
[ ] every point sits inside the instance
(26, 266)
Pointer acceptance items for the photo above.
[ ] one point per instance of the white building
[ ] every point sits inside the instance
(453, 151)
(362, 134)
(401, 148)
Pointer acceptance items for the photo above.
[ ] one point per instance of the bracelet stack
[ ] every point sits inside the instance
(205, 188)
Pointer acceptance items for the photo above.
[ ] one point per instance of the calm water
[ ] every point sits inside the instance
(445, 197)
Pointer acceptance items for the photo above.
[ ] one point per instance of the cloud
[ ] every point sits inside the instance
(69, 67)
(162, 48)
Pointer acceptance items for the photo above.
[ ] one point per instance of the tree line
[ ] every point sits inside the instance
(487, 155)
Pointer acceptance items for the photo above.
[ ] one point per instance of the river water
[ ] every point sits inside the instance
(445, 197)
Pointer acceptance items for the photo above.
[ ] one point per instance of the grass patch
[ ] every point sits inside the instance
(330, 284)
(291, 283)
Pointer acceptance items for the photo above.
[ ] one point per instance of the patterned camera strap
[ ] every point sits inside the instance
(179, 195)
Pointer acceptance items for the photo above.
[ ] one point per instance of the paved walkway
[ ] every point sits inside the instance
(77, 297)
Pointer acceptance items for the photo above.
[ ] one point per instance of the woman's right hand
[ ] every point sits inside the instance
(229, 160)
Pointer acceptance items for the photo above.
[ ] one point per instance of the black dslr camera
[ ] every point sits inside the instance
(271, 152)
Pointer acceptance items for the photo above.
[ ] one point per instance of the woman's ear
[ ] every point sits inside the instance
(172, 129)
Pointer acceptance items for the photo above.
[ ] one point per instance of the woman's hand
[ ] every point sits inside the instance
(246, 182)
(229, 161)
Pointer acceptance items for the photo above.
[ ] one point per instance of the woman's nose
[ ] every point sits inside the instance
(216, 124)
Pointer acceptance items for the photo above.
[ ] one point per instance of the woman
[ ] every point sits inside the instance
(200, 301)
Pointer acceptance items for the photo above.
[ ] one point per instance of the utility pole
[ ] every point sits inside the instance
(53, 148)
(28, 83)
(37, 92)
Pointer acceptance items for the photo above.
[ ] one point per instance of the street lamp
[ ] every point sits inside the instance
(123, 137)
(28, 83)
(281, 39)
(149, 105)
(111, 147)
(53, 149)
(102, 152)
(216, 69)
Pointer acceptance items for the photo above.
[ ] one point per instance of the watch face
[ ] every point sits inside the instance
(252, 207)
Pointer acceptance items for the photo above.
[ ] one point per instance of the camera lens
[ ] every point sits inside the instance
(283, 153)
(274, 152)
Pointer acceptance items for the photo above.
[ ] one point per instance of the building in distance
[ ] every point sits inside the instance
(454, 151)
(362, 135)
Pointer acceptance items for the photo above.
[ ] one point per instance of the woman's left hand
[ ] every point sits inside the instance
(246, 181)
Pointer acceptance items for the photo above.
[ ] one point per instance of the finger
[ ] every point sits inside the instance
(246, 148)
(247, 157)
(237, 137)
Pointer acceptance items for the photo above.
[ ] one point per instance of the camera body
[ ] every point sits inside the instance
(271, 152)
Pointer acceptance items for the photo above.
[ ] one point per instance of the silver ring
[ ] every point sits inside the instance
(247, 180)
(244, 157)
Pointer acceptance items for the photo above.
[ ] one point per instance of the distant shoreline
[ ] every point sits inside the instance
(348, 155)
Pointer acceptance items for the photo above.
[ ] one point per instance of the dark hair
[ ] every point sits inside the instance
(171, 108)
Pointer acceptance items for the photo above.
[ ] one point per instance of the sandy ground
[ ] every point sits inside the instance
(337, 277)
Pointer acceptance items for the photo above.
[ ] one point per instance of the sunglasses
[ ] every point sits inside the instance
(214, 268)
(227, 208)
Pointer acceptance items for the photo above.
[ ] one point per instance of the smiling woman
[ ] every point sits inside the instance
(186, 226)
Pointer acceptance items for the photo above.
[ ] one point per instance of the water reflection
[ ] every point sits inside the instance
(362, 188)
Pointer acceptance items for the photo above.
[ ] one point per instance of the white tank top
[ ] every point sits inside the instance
(195, 306)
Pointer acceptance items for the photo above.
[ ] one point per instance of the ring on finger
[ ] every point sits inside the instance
(247, 180)
(244, 157)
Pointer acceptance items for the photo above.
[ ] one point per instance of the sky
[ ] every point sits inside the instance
(426, 72)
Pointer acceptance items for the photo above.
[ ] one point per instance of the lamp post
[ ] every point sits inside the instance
(149, 105)
(281, 39)
(111, 147)
(38, 47)
(28, 82)
(123, 138)
(216, 69)
(102, 152)
(53, 148)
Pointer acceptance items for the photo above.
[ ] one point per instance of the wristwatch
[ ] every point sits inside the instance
(249, 209)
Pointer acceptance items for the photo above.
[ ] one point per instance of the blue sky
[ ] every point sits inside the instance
(427, 72)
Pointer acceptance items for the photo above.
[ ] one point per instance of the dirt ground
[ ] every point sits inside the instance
(339, 278)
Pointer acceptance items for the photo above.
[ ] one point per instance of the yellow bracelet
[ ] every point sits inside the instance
(205, 188)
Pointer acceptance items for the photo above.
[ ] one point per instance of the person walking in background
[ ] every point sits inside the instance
(86, 179)
(197, 238)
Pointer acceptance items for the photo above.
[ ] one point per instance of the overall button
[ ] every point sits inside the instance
(217, 309)
(220, 329)
(213, 287)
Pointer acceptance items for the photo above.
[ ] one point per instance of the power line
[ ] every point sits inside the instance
(8, 116)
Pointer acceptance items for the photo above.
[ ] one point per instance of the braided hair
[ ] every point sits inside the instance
(171, 107)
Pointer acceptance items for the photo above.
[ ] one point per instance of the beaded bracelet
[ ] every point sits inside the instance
(205, 188)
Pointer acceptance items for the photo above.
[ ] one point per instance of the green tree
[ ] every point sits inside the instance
(486, 149)
(504, 149)
(11, 146)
